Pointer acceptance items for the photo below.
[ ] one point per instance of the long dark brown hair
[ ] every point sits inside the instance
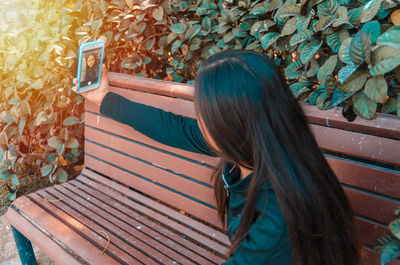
(256, 122)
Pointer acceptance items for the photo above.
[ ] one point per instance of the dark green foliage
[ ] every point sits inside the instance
(345, 41)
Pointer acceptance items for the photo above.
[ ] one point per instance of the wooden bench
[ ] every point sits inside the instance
(140, 201)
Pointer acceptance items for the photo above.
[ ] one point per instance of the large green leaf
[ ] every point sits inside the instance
(327, 68)
(298, 89)
(268, 39)
(360, 48)
(323, 23)
(72, 143)
(53, 141)
(363, 106)
(376, 89)
(328, 8)
(71, 120)
(390, 38)
(46, 169)
(61, 175)
(178, 28)
(344, 52)
(158, 13)
(372, 29)
(333, 41)
(289, 10)
(294, 70)
(301, 36)
(370, 10)
(385, 66)
(355, 82)
(309, 50)
(290, 27)
(346, 72)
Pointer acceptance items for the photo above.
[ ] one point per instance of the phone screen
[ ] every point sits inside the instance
(90, 67)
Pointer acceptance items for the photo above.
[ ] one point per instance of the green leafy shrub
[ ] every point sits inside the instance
(388, 245)
(334, 52)
(41, 131)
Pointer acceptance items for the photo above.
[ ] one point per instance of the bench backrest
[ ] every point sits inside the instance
(365, 155)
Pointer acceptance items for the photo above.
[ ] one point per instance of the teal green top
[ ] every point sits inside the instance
(268, 240)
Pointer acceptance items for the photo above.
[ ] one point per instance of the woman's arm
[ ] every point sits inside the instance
(164, 127)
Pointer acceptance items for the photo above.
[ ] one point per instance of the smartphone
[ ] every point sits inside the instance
(90, 63)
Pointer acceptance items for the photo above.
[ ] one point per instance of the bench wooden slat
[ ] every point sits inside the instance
(162, 219)
(369, 230)
(375, 179)
(172, 89)
(131, 228)
(95, 180)
(356, 144)
(176, 164)
(154, 175)
(378, 208)
(84, 227)
(384, 125)
(124, 240)
(108, 125)
(56, 229)
(175, 105)
(163, 235)
(78, 214)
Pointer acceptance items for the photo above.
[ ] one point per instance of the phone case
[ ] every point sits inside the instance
(90, 63)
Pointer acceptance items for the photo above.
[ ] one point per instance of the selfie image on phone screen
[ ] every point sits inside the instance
(90, 67)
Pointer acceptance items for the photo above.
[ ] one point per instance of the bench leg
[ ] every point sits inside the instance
(24, 247)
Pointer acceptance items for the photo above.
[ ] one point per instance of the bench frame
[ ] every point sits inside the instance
(370, 174)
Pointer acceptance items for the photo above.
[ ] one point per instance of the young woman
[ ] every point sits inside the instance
(281, 201)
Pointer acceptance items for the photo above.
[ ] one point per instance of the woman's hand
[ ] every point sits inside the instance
(96, 96)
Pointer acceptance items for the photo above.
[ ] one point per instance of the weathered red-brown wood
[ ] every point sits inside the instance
(369, 230)
(108, 125)
(153, 174)
(158, 158)
(131, 234)
(384, 125)
(164, 235)
(375, 179)
(172, 215)
(156, 191)
(372, 207)
(359, 145)
(82, 226)
(55, 228)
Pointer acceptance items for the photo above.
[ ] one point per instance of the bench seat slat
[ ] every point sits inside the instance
(175, 164)
(371, 147)
(87, 252)
(81, 214)
(97, 121)
(131, 230)
(148, 226)
(95, 180)
(375, 179)
(172, 224)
